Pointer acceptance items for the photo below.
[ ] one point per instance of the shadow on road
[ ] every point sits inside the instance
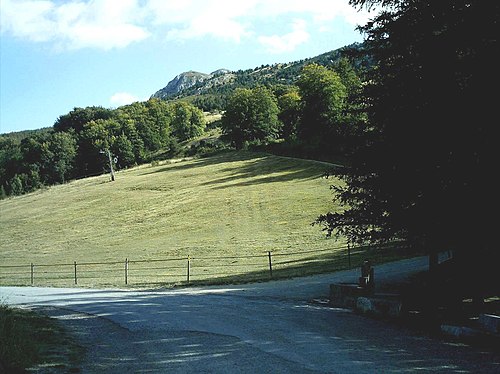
(226, 331)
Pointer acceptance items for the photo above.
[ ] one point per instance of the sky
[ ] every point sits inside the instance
(57, 55)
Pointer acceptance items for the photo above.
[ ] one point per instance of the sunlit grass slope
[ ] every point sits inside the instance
(232, 204)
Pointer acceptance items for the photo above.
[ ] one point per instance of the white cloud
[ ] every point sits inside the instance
(287, 42)
(226, 29)
(122, 98)
(107, 24)
(27, 19)
(103, 24)
(189, 19)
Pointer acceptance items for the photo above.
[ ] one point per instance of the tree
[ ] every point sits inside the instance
(251, 115)
(130, 132)
(425, 172)
(63, 150)
(123, 149)
(323, 101)
(187, 121)
(10, 159)
(289, 104)
(96, 137)
(151, 121)
(16, 185)
(78, 117)
(353, 115)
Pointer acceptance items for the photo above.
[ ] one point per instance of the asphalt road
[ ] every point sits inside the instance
(272, 327)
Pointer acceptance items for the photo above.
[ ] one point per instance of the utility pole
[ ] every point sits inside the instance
(110, 164)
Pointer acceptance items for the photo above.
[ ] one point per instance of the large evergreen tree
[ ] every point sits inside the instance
(425, 172)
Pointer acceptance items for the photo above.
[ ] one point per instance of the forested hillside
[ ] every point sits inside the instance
(211, 91)
(77, 146)
(298, 108)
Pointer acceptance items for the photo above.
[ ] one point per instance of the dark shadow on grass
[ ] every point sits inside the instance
(259, 168)
(222, 158)
(268, 169)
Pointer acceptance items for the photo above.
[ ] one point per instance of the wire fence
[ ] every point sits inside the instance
(183, 270)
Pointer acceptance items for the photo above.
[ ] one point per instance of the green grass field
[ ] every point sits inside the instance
(215, 209)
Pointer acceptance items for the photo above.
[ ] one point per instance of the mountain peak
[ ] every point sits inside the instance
(184, 81)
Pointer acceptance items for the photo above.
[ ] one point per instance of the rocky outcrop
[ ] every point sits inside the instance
(189, 79)
(181, 82)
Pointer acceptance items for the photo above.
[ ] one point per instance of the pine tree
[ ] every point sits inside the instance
(425, 171)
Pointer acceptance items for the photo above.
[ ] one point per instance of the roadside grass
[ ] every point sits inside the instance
(217, 210)
(32, 340)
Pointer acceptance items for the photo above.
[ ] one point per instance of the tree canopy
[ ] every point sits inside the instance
(323, 98)
(187, 121)
(76, 146)
(251, 115)
(424, 172)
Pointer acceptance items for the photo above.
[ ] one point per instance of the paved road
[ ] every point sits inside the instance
(257, 328)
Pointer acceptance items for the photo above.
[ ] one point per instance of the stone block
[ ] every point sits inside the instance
(345, 294)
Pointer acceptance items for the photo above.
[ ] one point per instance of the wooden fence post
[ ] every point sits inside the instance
(76, 281)
(126, 271)
(270, 263)
(32, 271)
(188, 268)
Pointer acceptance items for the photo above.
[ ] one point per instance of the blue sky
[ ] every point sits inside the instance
(57, 55)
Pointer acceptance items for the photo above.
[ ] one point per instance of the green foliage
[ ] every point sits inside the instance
(78, 144)
(424, 173)
(16, 185)
(323, 101)
(123, 149)
(210, 102)
(78, 117)
(152, 123)
(289, 104)
(63, 149)
(187, 121)
(213, 93)
(18, 136)
(251, 115)
(95, 138)
(10, 159)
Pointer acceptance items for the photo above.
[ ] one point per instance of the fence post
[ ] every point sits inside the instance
(76, 281)
(126, 271)
(188, 268)
(32, 271)
(270, 263)
(349, 255)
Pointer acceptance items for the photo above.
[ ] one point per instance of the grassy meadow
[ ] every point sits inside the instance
(215, 209)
